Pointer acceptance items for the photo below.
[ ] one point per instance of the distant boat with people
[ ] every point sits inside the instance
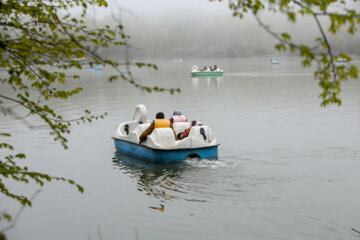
(206, 71)
(274, 61)
(97, 67)
(340, 60)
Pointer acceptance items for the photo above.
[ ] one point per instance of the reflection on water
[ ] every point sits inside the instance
(155, 180)
(274, 66)
(210, 82)
(166, 181)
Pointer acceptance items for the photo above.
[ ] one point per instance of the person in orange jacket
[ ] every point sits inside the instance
(186, 133)
(159, 122)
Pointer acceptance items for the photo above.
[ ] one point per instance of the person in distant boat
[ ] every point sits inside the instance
(185, 134)
(204, 69)
(159, 122)
(213, 69)
(178, 117)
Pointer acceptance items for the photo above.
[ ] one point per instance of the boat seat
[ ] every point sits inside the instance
(126, 128)
(184, 143)
(161, 137)
(197, 138)
(201, 133)
(135, 134)
(180, 127)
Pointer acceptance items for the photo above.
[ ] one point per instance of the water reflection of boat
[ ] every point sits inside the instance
(196, 72)
(160, 146)
(209, 81)
(161, 181)
(136, 167)
(156, 180)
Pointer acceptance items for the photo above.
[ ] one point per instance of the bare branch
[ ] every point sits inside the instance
(328, 47)
(18, 214)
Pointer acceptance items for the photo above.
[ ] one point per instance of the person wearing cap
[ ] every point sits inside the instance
(178, 117)
(159, 122)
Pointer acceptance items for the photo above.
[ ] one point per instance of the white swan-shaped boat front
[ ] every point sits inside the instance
(160, 145)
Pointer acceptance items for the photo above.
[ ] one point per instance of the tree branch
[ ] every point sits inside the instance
(328, 48)
(35, 112)
(18, 214)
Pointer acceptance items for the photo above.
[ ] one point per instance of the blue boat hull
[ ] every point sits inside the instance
(164, 156)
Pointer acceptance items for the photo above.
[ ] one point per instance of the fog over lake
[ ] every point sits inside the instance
(287, 168)
(188, 29)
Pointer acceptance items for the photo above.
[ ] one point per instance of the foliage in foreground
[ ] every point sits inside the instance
(338, 13)
(36, 36)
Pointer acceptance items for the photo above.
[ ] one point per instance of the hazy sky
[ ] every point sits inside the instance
(159, 24)
(177, 7)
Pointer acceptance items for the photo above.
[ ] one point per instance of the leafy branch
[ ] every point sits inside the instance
(33, 36)
(329, 74)
(14, 220)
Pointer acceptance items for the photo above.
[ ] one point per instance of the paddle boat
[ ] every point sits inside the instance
(274, 61)
(340, 60)
(97, 67)
(196, 72)
(160, 146)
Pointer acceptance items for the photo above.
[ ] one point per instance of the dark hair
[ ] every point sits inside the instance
(193, 123)
(160, 115)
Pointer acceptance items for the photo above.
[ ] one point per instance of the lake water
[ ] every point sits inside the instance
(287, 168)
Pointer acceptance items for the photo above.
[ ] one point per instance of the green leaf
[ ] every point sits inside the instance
(20, 156)
(292, 16)
(353, 72)
(80, 188)
(286, 36)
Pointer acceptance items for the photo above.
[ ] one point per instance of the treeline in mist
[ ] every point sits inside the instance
(174, 35)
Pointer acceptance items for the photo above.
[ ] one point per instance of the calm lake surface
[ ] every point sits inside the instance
(287, 168)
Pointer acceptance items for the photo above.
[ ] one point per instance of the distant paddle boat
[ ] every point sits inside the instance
(97, 67)
(196, 72)
(160, 146)
(340, 60)
(274, 61)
